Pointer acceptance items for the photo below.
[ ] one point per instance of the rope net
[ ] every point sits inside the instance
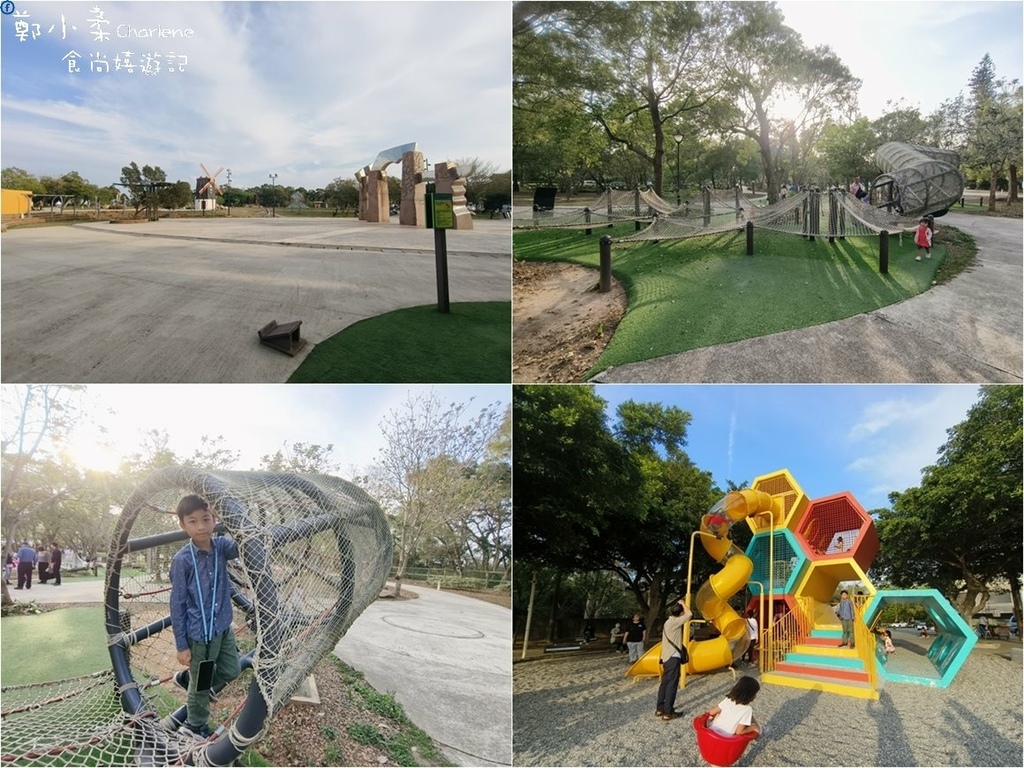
(609, 207)
(314, 552)
(810, 213)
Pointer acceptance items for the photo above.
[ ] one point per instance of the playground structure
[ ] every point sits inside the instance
(801, 552)
(374, 204)
(314, 552)
(917, 180)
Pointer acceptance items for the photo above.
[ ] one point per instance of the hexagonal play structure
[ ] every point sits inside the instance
(816, 546)
(786, 560)
(835, 527)
(947, 652)
(783, 485)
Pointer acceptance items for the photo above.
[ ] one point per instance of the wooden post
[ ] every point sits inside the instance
(606, 264)
(750, 238)
(883, 252)
(586, 215)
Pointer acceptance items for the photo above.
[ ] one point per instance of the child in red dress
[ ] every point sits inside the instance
(923, 238)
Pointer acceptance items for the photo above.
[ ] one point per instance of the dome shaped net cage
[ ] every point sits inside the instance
(917, 180)
(314, 551)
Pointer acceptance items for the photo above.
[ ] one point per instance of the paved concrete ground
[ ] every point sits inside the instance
(444, 657)
(969, 330)
(181, 300)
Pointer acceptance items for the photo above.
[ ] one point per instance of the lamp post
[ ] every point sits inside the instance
(273, 193)
(679, 140)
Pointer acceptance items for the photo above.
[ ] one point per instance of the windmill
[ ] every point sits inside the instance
(207, 190)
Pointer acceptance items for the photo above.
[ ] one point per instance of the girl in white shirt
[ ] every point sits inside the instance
(734, 716)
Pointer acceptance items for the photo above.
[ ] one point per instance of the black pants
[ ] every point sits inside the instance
(25, 575)
(669, 685)
(55, 575)
(43, 576)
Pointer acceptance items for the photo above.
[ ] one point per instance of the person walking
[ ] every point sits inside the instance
(26, 564)
(673, 656)
(845, 614)
(636, 634)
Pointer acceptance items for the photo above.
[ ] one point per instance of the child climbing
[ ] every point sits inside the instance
(923, 238)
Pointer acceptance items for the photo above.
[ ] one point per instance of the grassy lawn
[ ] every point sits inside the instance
(700, 292)
(76, 639)
(473, 343)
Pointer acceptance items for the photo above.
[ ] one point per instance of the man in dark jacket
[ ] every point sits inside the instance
(55, 558)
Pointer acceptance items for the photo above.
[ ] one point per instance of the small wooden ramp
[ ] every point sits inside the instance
(284, 337)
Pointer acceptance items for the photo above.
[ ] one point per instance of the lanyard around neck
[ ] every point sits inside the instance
(207, 630)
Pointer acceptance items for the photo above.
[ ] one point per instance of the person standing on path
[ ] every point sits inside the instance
(845, 614)
(671, 660)
(43, 561)
(636, 634)
(55, 558)
(26, 564)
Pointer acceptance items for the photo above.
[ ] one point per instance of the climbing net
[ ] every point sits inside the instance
(610, 207)
(314, 552)
(810, 213)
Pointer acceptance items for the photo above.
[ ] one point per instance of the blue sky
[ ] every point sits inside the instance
(867, 439)
(923, 52)
(255, 419)
(308, 90)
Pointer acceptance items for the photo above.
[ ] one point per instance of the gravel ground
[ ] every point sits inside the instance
(580, 710)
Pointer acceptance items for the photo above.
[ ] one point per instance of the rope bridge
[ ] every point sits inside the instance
(314, 552)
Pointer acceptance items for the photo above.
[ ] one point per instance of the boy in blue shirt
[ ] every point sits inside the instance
(201, 609)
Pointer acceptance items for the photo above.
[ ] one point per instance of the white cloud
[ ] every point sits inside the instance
(309, 90)
(894, 439)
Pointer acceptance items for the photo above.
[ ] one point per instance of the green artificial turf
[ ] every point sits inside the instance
(472, 343)
(700, 292)
(53, 645)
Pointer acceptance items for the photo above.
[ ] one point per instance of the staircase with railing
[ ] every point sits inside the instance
(801, 653)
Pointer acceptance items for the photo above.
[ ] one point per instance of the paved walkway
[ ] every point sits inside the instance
(969, 330)
(444, 657)
(180, 300)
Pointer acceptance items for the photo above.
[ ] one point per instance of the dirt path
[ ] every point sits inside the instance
(560, 321)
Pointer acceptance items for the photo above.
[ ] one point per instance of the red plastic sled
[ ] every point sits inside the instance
(717, 748)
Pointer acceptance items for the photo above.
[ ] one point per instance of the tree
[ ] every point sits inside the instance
(846, 150)
(996, 132)
(623, 499)
(767, 65)
(961, 529)
(143, 185)
(18, 178)
(177, 196)
(342, 193)
(901, 123)
(301, 458)
(421, 476)
(35, 417)
(638, 70)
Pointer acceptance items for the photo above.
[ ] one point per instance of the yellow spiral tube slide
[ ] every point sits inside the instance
(713, 596)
